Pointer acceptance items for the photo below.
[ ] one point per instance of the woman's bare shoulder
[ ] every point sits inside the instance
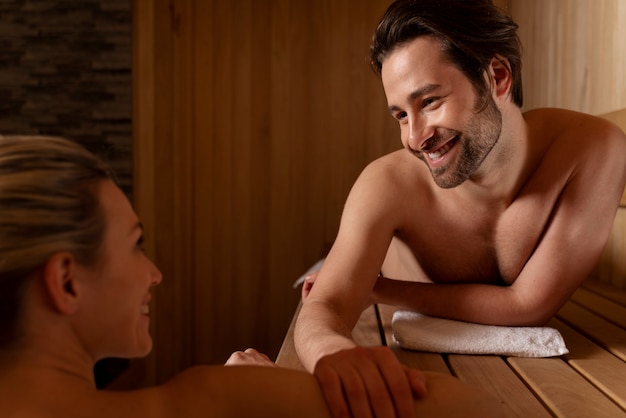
(71, 403)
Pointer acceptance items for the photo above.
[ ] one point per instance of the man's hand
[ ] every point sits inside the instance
(250, 357)
(369, 382)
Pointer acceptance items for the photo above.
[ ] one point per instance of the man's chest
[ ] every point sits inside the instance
(475, 244)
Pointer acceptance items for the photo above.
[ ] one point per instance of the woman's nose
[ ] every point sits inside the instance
(157, 276)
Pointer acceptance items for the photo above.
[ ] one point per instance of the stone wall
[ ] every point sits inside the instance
(65, 69)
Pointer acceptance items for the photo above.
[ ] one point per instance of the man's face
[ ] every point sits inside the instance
(436, 107)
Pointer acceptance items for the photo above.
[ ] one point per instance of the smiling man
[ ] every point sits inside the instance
(497, 221)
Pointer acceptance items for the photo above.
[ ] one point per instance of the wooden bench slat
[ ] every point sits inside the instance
(565, 392)
(493, 375)
(600, 367)
(598, 329)
(432, 362)
(606, 290)
(608, 309)
(366, 332)
(287, 356)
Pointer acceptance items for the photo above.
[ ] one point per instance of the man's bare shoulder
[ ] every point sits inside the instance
(569, 125)
(576, 138)
(393, 176)
(397, 166)
(390, 187)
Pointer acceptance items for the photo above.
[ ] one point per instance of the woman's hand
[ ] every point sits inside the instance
(250, 357)
(307, 285)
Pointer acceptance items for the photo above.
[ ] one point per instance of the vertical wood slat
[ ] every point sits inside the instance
(182, 152)
(204, 210)
(574, 54)
(144, 114)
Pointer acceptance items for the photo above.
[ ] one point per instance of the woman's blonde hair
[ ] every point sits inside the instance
(48, 204)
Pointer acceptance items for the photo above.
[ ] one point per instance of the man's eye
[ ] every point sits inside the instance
(400, 116)
(429, 101)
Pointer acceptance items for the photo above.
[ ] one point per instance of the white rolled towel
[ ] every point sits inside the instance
(415, 331)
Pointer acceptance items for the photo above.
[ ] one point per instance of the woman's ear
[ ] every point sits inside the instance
(500, 75)
(60, 282)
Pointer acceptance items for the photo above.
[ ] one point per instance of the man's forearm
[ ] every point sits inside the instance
(320, 332)
(479, 303)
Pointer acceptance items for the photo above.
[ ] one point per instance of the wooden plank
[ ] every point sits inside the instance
(563, 67)
(146, 109)
(415, 359)
(493, 375)
(366, 332)
(598, 329)
(565, 392)
(597, 365)
(607, 291)
(287, 356)
(607, 309)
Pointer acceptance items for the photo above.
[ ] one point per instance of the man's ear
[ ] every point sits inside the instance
(60, 282)
(500, 75)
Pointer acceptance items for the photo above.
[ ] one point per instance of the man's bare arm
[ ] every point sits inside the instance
(361, 381)
(344, 283)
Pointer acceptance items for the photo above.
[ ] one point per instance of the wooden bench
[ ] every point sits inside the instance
(588, 382)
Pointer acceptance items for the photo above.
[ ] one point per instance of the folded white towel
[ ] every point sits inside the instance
(415, 331)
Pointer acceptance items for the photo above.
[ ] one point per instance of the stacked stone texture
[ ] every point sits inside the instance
(65, 70)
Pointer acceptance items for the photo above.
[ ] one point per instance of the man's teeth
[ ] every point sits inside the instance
(435, 155)
(145, 309)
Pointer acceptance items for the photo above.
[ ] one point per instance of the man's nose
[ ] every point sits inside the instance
(419, 133)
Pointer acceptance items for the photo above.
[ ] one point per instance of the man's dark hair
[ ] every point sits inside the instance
(471, 32)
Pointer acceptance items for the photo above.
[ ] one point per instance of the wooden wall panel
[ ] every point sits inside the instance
(504, 4)
(252, 121)
(575, 54)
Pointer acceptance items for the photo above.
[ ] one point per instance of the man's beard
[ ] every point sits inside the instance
(481, 135)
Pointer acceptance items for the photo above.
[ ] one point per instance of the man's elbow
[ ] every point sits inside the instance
(539, 321)
(537, 315)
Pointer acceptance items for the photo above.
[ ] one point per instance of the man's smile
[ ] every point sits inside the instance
(439, 152)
